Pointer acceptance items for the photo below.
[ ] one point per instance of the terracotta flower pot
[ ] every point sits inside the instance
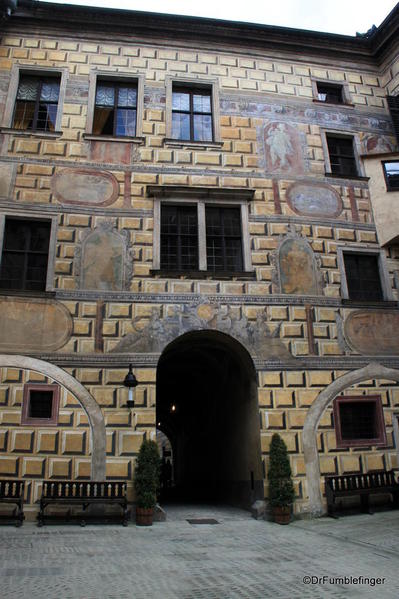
(282, 514)
(144, 516)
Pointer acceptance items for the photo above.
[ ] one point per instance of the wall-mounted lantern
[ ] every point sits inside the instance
(130, 382)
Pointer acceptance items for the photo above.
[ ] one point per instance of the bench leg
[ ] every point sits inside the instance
(126, 514)
(364, 504)
(40, 516)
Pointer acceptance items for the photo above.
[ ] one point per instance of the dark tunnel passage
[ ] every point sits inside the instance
(207, 406)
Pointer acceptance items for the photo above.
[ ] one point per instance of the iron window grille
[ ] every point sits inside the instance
(329, 93)
(192, 114)
(391, 174)
(223, 239)
(36, 103)
(359, 421)
(115, 111)
(25, 255)
(179, 238)
(40, 404)
(363, 277)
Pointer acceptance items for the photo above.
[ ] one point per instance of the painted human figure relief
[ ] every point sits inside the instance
(283, 149)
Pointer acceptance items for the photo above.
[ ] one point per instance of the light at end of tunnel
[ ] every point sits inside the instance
(158, 424)
(173, 408)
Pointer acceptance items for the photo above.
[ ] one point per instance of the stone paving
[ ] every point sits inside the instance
(237, 558)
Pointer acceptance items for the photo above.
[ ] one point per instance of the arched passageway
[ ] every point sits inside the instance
(207, 406)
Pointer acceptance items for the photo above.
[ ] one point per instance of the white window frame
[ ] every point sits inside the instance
(192, 82)
(138, 79)
(356, 151)
(386, 287)
(21, 69)
(201, 204)
(25, 216)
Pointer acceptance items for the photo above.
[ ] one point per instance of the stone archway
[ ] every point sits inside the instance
(88, 403)
(311, 456)
(207, 405)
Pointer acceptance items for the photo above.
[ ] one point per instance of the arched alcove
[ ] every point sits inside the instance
(316, 411)
(88, 403)
(207, 405)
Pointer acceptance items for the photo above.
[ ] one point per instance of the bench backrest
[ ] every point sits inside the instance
(53, 489)
(370, 480)
(10, 489)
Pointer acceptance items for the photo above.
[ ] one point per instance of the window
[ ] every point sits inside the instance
(25, 254)
(40, 405)
(329, 93)
(36, 103)
(391, 173)
(223, 239)
(35, 100)
(115, 111)
(115, 106)
(341, 155)
(201, 230)
(179, 238)
(363, 277)
(359, 421)
(393, 105)
(191, 114)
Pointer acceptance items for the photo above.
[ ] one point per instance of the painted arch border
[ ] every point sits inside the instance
(87, 401)
(374, 370)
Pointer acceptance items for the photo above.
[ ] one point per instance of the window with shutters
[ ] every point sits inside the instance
(25, 251)
(40, 405)
(359, 421)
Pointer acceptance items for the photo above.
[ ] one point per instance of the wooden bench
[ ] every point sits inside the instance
(12, 491)
(363, 485)
(84, 493)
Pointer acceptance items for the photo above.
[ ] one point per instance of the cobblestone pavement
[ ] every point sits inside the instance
(236, 558)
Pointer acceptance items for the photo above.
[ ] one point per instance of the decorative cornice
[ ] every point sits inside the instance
(245, 300)
(220, 193)
(151, 361)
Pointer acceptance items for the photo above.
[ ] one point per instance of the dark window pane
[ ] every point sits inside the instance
(40, 404)
(329, 93)
(179, 238)
(223, 239)
(358, 420)
(342, 157)
(103, 122)
(180, 126)
(391, 170)
(25, 255)
(363, 277)
(46, 117)
(202, 128)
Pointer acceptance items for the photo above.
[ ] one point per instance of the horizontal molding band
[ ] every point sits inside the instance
(151, 361)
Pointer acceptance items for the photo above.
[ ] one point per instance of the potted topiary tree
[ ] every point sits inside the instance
(146, 482)
(281, 489)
